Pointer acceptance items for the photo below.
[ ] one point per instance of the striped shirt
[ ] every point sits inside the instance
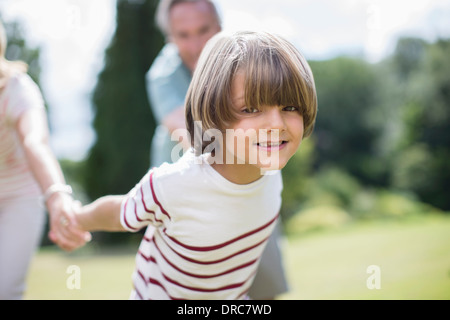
(205, 235)
(16, 180)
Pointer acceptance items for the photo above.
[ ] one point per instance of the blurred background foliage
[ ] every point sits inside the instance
(123, 122)
(18, 49)
(381, 145)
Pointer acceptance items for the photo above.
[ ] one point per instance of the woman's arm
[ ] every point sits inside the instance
(32, 129)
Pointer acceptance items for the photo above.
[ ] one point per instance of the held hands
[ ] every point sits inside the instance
(64, 228)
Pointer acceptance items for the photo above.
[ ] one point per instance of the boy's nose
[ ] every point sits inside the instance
(274, 119)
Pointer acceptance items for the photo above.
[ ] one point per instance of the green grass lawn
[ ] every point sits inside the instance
(413, 257)
(101, 276)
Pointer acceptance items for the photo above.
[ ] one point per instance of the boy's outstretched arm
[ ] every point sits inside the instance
(101, 215)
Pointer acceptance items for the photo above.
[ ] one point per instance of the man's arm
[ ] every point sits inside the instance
(176, 121)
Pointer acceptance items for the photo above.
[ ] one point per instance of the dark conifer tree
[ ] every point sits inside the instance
(123, 122)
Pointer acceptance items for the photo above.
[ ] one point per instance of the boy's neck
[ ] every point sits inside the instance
(238, 173)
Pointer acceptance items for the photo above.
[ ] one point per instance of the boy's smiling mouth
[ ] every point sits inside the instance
(272, 144)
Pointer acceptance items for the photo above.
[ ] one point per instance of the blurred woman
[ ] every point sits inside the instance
(31, 179)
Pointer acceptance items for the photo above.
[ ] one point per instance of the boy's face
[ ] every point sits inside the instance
(265, 138)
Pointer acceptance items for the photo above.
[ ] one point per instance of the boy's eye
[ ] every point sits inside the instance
(290, 108)
(250, 110)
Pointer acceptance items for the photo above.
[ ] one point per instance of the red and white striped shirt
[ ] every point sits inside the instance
(205, 235)
(16, 180)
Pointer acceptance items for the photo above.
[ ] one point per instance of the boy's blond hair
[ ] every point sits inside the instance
(276, 73)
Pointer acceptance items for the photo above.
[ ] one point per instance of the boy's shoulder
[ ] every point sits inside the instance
(187, 165)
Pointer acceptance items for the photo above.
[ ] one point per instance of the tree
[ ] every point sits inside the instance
(346, 133)
(18, 49)
(123, 122)
(296, 179)
(408, 55)
(422, 162)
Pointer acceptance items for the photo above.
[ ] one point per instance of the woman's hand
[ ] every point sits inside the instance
(64, 228)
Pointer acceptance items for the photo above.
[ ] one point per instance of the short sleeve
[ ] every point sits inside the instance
(24, 94)
(142, 207)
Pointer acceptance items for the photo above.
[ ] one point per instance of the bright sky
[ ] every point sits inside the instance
(73, 34)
